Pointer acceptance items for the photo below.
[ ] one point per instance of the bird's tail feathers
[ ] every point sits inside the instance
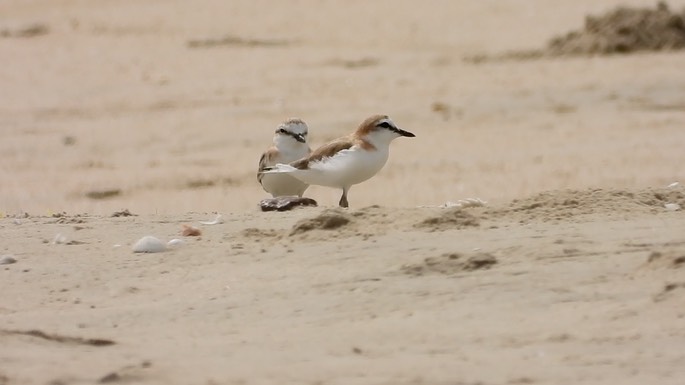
(278, 168)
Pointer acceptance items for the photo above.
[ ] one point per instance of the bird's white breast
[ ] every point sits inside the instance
(284, 184)
(346, 168)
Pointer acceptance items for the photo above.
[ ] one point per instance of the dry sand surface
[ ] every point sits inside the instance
(572, 273)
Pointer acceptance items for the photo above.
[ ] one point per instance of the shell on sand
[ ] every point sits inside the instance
(59, 239)
(175, 243)
(672, 206)
(149, 244)
(217, 220)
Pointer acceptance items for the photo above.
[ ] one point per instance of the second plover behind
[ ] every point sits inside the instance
(290, 144)
(346, 161)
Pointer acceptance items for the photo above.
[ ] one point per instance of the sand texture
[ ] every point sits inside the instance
(125, 119)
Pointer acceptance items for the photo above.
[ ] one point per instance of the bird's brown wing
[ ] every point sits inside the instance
(263, 162)
(325, 151)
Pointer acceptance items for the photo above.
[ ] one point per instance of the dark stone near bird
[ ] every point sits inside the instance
(285, 203)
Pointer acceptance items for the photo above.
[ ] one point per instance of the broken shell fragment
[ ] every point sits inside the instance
(672, 206)
(190, 231)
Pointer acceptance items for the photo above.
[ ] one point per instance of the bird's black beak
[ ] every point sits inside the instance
(405, 133)
(300, 138)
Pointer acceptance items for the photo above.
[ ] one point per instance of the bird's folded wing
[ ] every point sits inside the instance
(326, 151)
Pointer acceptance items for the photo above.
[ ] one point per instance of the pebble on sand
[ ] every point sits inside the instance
(7, 260)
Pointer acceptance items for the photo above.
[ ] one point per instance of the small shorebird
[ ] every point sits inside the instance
(290, 144)
(346, 161)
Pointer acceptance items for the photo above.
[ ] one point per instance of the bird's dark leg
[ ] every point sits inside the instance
(343, 198)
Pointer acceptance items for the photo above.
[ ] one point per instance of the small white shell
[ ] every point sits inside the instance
(672, 185)
(59, 239)
(175, 243)
(465, 203)
(216, 221)
(672, 206)
(149, 244)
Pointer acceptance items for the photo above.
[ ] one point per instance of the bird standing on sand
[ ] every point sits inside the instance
(346, 161)
(290, 144)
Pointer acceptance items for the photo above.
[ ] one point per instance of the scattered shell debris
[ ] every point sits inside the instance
(7, 260)
(149, 244)
(218, 219)
(190, 231)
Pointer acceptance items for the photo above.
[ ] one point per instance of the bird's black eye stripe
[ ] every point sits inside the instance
(385, 125)
(283, 131)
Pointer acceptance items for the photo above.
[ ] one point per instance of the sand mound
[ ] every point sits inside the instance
(330, 219)
(558, 205)
(567, 204)
(450, 263)
(449, 219)
(373, 221)
(365, 222)
(618, 31)
(624, 30)
(374, 212)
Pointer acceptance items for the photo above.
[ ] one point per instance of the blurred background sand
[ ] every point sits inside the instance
(164, 107)
(115, 97)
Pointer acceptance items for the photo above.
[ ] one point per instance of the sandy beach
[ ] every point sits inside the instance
(122, 119)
